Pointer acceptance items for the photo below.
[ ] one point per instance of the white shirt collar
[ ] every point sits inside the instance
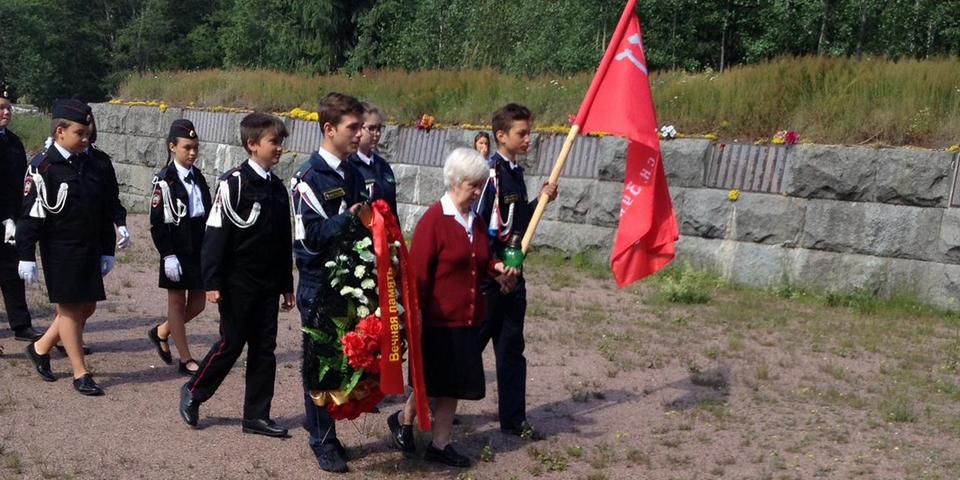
(182, 171)
(331, 160)
(449, 209)
(63, 151)
(264, 174)
(512, 163)
(363, 158)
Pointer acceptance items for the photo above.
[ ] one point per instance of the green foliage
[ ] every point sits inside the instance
(686, 285)
(32, 130)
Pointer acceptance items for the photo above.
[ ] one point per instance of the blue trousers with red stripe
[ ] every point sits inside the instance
(246, 319)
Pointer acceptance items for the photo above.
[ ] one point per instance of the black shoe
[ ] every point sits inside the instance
(41, 363)
(26, 334)
(524, 431)
(264, 426)
(189, 407)
(341, 449)
(447, 456)
(86, 386)
(401, 436)
(63, 350)
(186, 371)
(159, 342)
(330, 459)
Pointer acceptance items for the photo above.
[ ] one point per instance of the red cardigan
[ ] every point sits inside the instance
(449, 268)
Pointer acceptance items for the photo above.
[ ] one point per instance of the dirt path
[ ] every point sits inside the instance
(609, 382)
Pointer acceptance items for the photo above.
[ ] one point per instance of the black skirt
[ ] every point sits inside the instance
(72, 279)
(190, 278)
(453, 363)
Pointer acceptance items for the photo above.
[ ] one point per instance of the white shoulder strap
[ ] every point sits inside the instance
(40, 205)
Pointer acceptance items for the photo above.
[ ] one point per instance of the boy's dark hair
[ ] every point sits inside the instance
(254, 126)
(335, 105)
(504, 117)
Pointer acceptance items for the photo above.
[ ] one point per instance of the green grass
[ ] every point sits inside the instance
(826, 100)
(32, 130)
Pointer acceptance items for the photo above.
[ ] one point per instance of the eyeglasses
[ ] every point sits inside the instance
(373, 128)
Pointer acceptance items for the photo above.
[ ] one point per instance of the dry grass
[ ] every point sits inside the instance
(827, 100)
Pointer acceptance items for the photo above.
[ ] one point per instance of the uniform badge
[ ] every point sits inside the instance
(27, 185)
(155, 201)
(369, 182)
(390, 179)
(334, 194)
(193, 134)
(512, 198)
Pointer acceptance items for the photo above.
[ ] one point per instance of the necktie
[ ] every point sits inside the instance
(189, 178)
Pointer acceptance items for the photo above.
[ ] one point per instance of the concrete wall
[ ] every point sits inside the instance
(829, 217)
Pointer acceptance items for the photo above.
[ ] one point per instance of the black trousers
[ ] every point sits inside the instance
(245, 319)
(14, 294)
(320, 426)
(503, 324)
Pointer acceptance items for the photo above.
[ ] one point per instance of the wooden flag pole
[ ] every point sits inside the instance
(554, 178)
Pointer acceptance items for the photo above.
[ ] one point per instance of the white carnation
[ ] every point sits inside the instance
(362, 311)
(360, 271)
(368, 284)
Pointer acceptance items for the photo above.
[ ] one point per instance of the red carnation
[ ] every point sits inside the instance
(791, 137)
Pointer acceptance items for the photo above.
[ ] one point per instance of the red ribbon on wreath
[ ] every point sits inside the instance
(386, 230)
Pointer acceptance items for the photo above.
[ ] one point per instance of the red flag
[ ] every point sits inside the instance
(619, 101)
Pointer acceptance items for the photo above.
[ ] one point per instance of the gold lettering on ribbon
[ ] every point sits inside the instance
(394, 317)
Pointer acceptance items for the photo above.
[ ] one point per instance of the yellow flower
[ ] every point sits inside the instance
(313, 117)
(163, 107)
(954, 148)
(711, 136)
(734, 195)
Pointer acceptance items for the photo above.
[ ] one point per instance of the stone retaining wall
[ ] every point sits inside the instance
(831, 217)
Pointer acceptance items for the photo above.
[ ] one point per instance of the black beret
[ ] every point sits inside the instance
(182, 128)
(73, 110)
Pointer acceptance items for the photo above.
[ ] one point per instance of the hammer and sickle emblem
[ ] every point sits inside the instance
(627, 53)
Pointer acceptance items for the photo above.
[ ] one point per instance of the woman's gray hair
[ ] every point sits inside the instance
(464, 165)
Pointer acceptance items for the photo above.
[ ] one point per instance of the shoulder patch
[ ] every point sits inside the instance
(511, 198)
(155, 201)
(27, 185)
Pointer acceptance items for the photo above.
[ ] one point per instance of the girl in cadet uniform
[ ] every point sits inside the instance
(68, 213)
(178, 214)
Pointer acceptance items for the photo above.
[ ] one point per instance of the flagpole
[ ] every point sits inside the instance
(628, 11)
(554, 177)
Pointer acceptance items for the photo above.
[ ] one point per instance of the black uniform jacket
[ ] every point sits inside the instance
(331, 191)
(254, 260)
(379, 179)
(84, 227)
(170, 238)
(13, 164)
(118, 212)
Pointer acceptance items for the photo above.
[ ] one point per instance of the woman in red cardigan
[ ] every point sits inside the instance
(450, 255)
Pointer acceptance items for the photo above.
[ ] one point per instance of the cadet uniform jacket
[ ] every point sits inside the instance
(176, 238)
(118, 212)
(380, 182)
(74, 235)
(335, 195)
(13, 165)
(256, 259)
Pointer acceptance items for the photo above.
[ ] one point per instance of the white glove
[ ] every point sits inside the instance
(9, 231)
(106, 264)
(171, 268)
(124, 240)
(27, 271)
